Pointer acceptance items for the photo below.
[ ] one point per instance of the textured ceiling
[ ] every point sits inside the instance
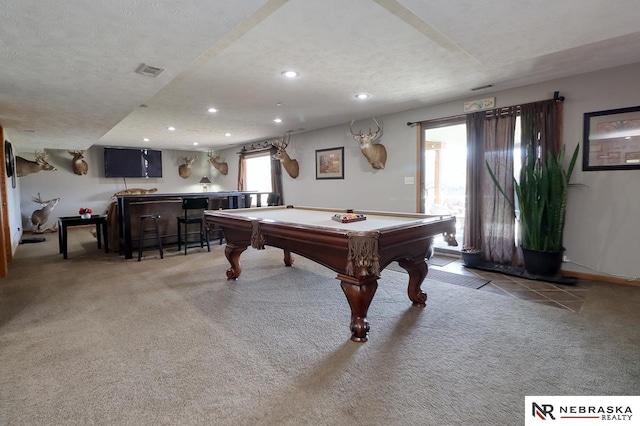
(67, 77)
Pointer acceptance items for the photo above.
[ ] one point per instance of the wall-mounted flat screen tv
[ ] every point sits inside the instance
(132, 163)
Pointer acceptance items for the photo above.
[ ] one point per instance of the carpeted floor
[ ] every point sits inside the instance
(99, 340)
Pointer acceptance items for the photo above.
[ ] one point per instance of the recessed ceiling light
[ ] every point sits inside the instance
(277, 120)
(227, 134)
(289, 74)
(362, 95)
(146, 139)
(171, 128)
(195, 143)
(212, 110)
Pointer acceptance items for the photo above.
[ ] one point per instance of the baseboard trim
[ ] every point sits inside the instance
(595, 277)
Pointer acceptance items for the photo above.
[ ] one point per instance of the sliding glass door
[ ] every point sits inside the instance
(444, 184)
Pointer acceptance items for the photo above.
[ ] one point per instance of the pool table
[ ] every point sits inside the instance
(357, 251)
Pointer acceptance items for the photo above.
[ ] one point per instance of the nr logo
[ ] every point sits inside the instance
(542, 411)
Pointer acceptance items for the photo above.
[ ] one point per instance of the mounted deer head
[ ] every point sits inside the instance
(221, 167)
(80, 167)
(376, 154)
(25, 167)
(41, 216)
(185, 166)
(291, 166)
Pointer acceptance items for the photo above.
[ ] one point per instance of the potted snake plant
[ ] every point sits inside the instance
(542, 199)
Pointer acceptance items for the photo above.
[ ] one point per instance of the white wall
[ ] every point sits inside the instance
(602, 220)
(363, 187)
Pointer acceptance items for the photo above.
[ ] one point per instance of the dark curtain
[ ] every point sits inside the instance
(276, 176)
(541, 124)
(242, 172)
(489, 218)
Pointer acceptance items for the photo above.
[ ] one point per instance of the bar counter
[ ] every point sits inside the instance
(129, 208)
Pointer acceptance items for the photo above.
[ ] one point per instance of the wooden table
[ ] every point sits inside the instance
(356, 251)
(99, 220)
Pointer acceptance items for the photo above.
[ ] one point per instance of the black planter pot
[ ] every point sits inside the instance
(471, 259)
(538, 262)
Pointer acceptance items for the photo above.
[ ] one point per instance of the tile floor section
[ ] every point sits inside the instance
(569, 297)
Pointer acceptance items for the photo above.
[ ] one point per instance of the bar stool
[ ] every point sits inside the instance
(200, 204)
(143, 232)
(273, 199)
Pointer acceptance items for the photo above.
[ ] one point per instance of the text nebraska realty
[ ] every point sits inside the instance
(609, 412)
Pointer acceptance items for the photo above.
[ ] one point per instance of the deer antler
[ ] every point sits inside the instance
(190, 159)
(213, 157)
(351, 129)
(41, 157)
(282, 143)
(37, 200)
(377, 125)
(370, 134)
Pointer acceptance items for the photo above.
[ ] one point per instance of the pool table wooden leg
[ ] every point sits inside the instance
(288, 258)
(233, 252)
(417, 270)
(359, 295)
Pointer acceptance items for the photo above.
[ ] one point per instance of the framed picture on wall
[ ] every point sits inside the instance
(330, 163)
(612, 139)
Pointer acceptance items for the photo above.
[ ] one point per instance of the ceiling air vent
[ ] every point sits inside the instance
(148, 70)
(482, 87)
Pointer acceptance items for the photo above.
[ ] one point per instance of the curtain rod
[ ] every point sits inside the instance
(256, 147)
(556, 97)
